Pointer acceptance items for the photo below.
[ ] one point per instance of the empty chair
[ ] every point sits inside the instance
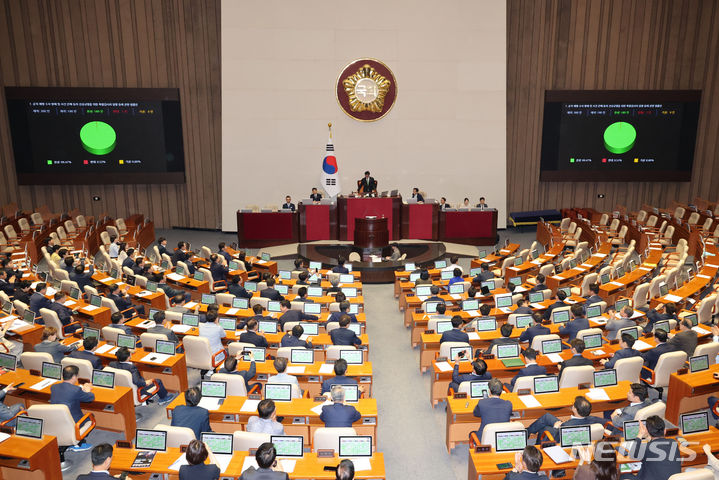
(355, 257)
(710, 349)
(110, 334)
(573, 376)
(198, 355)
(235, 383)
(244, 441)
(176, 436)
(667, 237)
(488, 434)
(679, 213)
(328, 438)
(629, 369)
(574, 240)
(640, 297)
(36, 218)
(697, 474)
(523, 383)
(33, 360)
(58, 422)
(704, 309)
(149, 340)
(333, 351)
(564, 225)
(583, 290)
(693, 218)
(619, 239)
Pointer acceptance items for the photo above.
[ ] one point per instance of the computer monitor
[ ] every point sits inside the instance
(698, 363)
(310, 328)
(478, 389)
(127, 341)
(191, 319)
(279, 392)
(282, 289)
(150, 440)
(312, 309)
(257, 352)
(694, 422)
(409, 267)
(510, 350)
(516, 281)
(546, 384)
(351, 392)
(114, 272)
(510, 441)
(352, 357)
(662, 325)
(285, 274)
(486, 324)
(164, 265)
(180, 270)
(488, 284)
(443, 326)
(288, 445)
(8, 361)
(534, 254)
(692, 318)
(553, 345)
(347, 278)
(273, 306)
(503, 301)
(28, 427)
(151, 314)
(355, 446)
(575, 436)
(315, 265)
(567, 291)
(536, 297)
(219, 443)
(302, 355)
(355, 327)
(423, 290)
(198, 276)
(523, 321)
(228, 323)
(605, 378)
(605, 278)
(413, 277)
(619, 272)
(266, 257)
(29, 316)
(151, 286)
(207, 298)
(633, 331)
(74, 293)
(88, 332)
(455, 351)
(251, 286)
(214, 389)
(475, 271)
(440, 263)
(164, 346)
(663, 289)
(446, 274)
(431, 307)
(482, 253)
(456, 289)
(620, 304)
(51, 370)
(130, 280)
(95, 300)
(594, 311)
(233, 265)
(470, 304)
(317, 291)
(593, 340)
(267, 326)
(101, 378)
(354, 308)
(631, 430)
(240, 302)
(560, 316)
(7, 307)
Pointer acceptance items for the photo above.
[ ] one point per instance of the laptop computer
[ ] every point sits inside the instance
(74, 293)
(631, 430)
(146, 439)
(213, 394)
(423, 290)
(285, 274)
(509, 350)
(454, 351)
(536, 297)
(101, 378)
(354, 308)
(413, 277)
(279, 392)
(503, 301)
(446, 275)
(431, 307)
(440, 263)
(51, 370)
(88, 332)
(443, 326)
(302, 355)
(8, 361)
(315, 265)
(409, 267)
(266, 257)
(28, 427)
(355, 327)
(242, 303)
(227, 323)
(619, 304)
(355, 446)
(127, 341)
(316, 291)
(310, 328)
(257, 352)
(267, 326)
(312, 308)
(221, 446)
(351, 392)
(191, 319)
(546, 384)
(251, 286)
(662, 325)
(273, 306)
(485, 324)
(347, 278)
(694, 423)
(290, 446)
(470, 305)
(560, 316)
(96, 301)
(456, 289)
(523, 321)
(488, 284)
(282, 289)
(575, 436)
(510, 441)
(594, 311)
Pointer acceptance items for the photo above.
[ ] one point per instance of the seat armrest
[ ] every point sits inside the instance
(79, 423)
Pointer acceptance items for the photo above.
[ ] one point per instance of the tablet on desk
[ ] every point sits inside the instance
(101, 378)
(510, 441)
(302, 355)
(355, 446)
(146, 439)
(288, 445)
(28, 427)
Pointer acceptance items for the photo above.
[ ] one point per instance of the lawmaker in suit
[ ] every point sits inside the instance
(118, 321)
(479, 372)
(88, 345)
(315, 196)
(162, 328)
(686, 339)
(561, 296)
(522, 308)
(581, 415)
(80, 277)
(593, 295)
(443, 205)
(660, 457)
(123, 363)
(289, 315)
(536, 328)
(64, 314)
(614, 324)
(455, 334)
(344, 308)
(8, 411)
(577, 359)
(196, 468)
(69, 393)
(527, 465)
(338, 414)
(340, 378)
(651, 356)
(343, 335)
(101, 457)
(222, 250)
(540, 285)
(625, 351)
(482, 205)
(579, 322)
(183, 255)
(238, 290)
(280, 364)
(484, 274)
(229, 367)
(265, 458)
(49, 344)
(492, 409)
(270, 292)
(506, 331)
(122, 301)
(638, 397)
(654, 315)
(293, 338)
(340, 267)
(288, 205)
(251, 335)
(367, 184)
(190, 415)
(530, 367)
(38, 299)
(218, 271)
(417, 195)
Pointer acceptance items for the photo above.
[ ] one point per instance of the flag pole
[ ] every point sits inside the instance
(330, 127)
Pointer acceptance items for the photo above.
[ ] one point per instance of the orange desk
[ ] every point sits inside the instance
(689, 392)
(153, 300)
(29, 458)
(503, 253)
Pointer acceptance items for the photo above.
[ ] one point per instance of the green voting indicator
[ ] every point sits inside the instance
(619, 137)
(98, 138)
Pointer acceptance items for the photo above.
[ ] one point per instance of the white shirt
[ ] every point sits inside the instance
(114, 250)
(450, 268)
(283, 378)
(214, 333)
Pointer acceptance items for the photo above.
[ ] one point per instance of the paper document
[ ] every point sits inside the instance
(456, 296)
(296, 370)
(557, 454)
(599, 255)
(19, 325)
(422, 298)
(555, 358)
(536, 262)
(536, 305)
(69, 303)
(616, 284)
(250, 462)
(361, 464)
(318, 408)
(473, 335)
(180, 462)
(327, 369)
(180, 328)
(700, 330)
(223, 461)
(90, 308)
(557, 277)
(597, 394)
(232, 311)
(156, 357)
(44, 383)
(143, 293)
(288, 465)
(520, 289)
(104, 349)
(51, 291)
(4, 436)
(473, 313)
(191, 305)
(637, 314)
(175, 276)
(641, 345)
(529, 401)
(444, 366)
(705, 277)
(249, 406)
(672, 298)
(599, 352)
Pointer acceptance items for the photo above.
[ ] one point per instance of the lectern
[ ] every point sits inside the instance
(371, 233)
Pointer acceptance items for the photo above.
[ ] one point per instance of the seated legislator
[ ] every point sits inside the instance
(367, 184)
(191, 415)
(581, 415)
(482, 205)
(506, 331)
(443, 205)
(423, 278)
(101, 457)
(527, 465)
(457, 276)
(340, 378)
(117, 320)
(182, 254)
(455, 334)
(38, 299)
(163, 327)
(338, 414)
(344, 308)
(651, 356)
(88, 345)
(661, 457)
(656, 315)
(638, 397)
(492, 409)
(465, 203)
(69, 393)
(122, 301)
(522, 308)
(343, 335)
(340, 267)
(213, 332)
(479, 372)
(229, 367)
(123, 363)
(686, 339)
(578, 322)
(484, 274)
(395, 255)
(238, 290)
(162, 246)
(266, 421)
(536, 328)
(265, 458)
(175, 295)
(302, 296)
(416, 195)
(335, 282)
(530, 366)
(561, 296)
(270, 291)
(280, 364)
(594, 294)
(617, 322)
(289, 315)
(293, 338)
(222, 250)
(49, 344)
(540, 283)
(251, 335)
(8, 411)
(626, 351)
(196, 468)
(64, 314)
(218, 271)
(288, 205)
(315, 196)
(577, 359)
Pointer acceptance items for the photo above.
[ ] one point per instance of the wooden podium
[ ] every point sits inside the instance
(371, 232)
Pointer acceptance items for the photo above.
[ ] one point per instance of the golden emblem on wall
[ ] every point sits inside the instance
(366, 89)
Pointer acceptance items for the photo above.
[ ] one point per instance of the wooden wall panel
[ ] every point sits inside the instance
(121, 43)
(608, 44)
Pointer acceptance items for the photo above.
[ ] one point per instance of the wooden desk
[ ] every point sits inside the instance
(299, 419)
(114, 409)
(350, 208)
(255, 229)
(493, 258)
(308, 467)
(689, 392)
(153, 300)
(575, 275)
(29, 458)
(469, 227)
(420, 221)
(461, 421)
(530, 266)
(317, 222)
(29, 335)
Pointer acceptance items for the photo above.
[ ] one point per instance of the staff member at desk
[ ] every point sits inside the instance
(482, 205)
(314, 196)
(288, 205)
(367, 184)
(417, 195)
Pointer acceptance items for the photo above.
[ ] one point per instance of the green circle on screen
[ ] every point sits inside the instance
(98, 138)
(619, 137)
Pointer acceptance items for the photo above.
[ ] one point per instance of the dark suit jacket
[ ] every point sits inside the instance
(660, 459)
(226, 256)
(344, 336)
(654, 317)
(263, 474)
(369, 184)
(63, 313)
(338, 415)
(525, 476)
(64, 393)
(272, 294)
(651, 356)
(238, 291)
(122, 302)
(418, 196)
(573, 326)
(96, 476)
(593, 299)
(128, 262)
(337, 380)
(577, 422)
(246, 374)
(85, 355)
(531, 332)
(83, 279)
(575, 361)
(340, 269)
(219, 272)
(159, 329)
(335, 317)
(315, 197)
(467, 377)
(22, 296)
(500, 341)
(539, 287)
(195, 418)
(294, 316)
(523, 310)
(38, 301)
(7, 288)
(686, 341)
(454, 335)
(137, 379)
(200, 471)
(492, 410)
(548, 313)
(529, 371)
(623, 353)
(290, 206)
(254, 338)
(288, 340)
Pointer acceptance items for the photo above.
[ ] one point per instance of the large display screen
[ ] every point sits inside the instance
(96, 135)
(619, 135)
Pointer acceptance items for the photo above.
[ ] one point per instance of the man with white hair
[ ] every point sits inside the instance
(338, 414)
